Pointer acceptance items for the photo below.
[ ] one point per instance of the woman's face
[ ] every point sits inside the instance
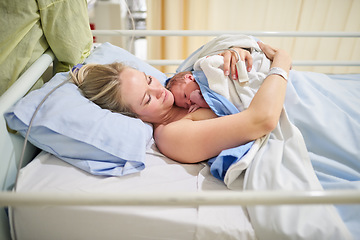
(145, 95)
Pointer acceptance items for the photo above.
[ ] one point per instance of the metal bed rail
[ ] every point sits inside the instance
(9, 98)
(26, 80)
(196, 33)
(176, 62)
(244, 198)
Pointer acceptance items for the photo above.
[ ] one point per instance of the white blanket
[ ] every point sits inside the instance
(278, 161)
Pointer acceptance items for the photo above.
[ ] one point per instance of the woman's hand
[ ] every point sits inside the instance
(273, 53)
(268, 50)
(230, 60)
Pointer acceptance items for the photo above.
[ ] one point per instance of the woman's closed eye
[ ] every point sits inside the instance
(149, 80)
(149, 100)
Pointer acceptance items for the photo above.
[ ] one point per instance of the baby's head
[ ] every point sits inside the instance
(182, 85)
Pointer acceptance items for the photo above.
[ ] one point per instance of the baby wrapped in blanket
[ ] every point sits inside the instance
(185, 85)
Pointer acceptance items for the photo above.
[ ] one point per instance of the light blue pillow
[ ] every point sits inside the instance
(78, 131)
(107, 53)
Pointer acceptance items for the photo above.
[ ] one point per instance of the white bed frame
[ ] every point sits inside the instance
(11, 147)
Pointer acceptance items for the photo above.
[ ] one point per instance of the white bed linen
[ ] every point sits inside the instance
(46, 173)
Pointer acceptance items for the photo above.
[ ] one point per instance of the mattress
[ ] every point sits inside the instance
(47, 173)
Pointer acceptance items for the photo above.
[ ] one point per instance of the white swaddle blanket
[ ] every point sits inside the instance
(278, 161)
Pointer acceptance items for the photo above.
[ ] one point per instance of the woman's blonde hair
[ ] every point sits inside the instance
(101, 83)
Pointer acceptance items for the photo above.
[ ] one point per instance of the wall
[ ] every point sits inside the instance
(259, 15)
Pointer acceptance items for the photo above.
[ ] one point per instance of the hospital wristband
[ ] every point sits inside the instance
(278, 71)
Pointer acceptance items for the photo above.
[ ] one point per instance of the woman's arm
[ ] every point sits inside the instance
(271, 95)
(192, 139)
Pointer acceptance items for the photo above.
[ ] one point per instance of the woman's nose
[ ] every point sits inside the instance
(157, 91)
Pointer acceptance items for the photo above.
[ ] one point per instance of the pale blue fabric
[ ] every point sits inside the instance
(326, 110)
(81, 133)
(108, 53)
(221, 107)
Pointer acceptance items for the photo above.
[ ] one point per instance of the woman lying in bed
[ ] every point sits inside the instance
(182, 136)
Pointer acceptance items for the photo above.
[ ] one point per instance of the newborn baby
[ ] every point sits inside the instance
(186, 91)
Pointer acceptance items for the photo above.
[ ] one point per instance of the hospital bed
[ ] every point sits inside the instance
(56, 197)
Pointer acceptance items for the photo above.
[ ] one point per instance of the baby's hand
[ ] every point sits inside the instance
(193, 108)
(197, 98)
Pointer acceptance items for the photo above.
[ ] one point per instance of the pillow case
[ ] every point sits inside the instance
(108, 53)
(78, 131)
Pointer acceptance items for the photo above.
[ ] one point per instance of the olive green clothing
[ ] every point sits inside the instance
(29, 27)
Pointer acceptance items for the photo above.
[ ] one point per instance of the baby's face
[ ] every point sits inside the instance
(182, 91)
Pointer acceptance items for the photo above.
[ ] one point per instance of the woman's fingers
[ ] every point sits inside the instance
(227, 61)
(231, 58)
(268, 50)
(248, 59)
(234, 60)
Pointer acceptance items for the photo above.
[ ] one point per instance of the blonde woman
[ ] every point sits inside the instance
(182, 136)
